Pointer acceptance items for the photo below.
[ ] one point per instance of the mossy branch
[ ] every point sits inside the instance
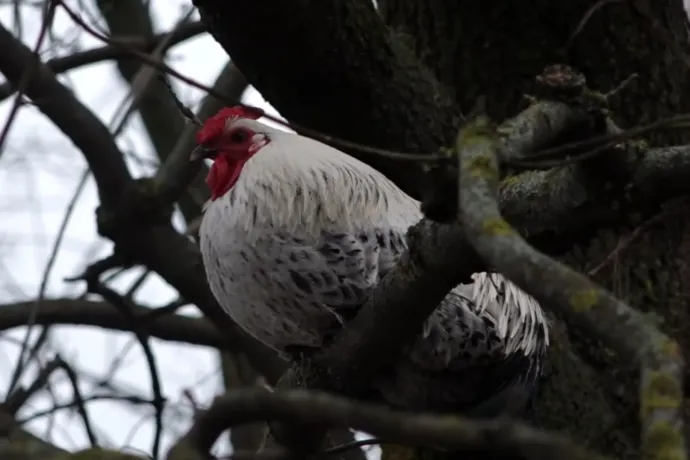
(440, 432)
(571, 295)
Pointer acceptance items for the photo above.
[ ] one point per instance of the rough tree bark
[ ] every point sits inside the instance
(373, 91)
(478, 48)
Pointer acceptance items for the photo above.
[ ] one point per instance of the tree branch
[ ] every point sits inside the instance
(178, 261)
(325, 49)
(177, 173)
(425, 274)
(156, 245)
(16, 400)
(411, 429)
(126, 308)
(96, 313)
(157, 106)
(116, 52)
(572, 295)
(21, 445)
(402, 301)
(237, 372)
(75, 120)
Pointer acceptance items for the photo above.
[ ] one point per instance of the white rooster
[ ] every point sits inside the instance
(296, 236)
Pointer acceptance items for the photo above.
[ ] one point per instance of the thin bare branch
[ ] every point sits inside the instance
(73, 118)
(16, 374)
(20, 396)
(349, 33)
(83, 312)
(107, 52)
(302, 129)
(14, 436)
(27, 72)
(177, 172)
(127, 309)
(79, 401)
(161, 248)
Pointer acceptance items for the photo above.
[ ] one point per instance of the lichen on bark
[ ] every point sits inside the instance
(481, 48)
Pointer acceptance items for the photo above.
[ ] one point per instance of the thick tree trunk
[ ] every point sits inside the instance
(496, 49)
(329, 66)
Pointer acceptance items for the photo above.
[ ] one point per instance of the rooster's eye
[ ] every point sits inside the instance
(238, 136)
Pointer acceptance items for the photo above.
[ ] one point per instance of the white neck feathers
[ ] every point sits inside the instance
(304, 187)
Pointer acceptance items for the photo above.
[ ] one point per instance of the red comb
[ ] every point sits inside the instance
(213, 127)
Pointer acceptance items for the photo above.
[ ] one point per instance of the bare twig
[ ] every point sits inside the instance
(177, 172)
(14, 436)
(82, 312)
(637, 232)
(79, 402)
(184, 110)
(136, 285)
(107, 52)
(351, 445)
(68, 114)
(282, 454)
(156, 63)
(146, 75)
(17, 399)
(586, 17)
(16, 374)
(134, 400)
(33, 352)
(538, 160)
(28, 72)
(20, 396)
(127, 309)
(572, 295)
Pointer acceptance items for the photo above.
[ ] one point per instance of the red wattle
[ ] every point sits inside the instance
(222, 175)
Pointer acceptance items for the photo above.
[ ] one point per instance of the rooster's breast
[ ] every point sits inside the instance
(289, 290)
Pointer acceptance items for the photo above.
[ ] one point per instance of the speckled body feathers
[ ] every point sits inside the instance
(299, 242)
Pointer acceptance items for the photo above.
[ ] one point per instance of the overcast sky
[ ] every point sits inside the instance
(40, 170)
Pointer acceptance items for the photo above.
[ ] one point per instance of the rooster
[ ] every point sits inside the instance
(297, 234)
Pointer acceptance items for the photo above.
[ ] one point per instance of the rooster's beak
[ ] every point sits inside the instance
(200, 152)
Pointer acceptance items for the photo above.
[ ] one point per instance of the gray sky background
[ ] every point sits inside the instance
(40, 170)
